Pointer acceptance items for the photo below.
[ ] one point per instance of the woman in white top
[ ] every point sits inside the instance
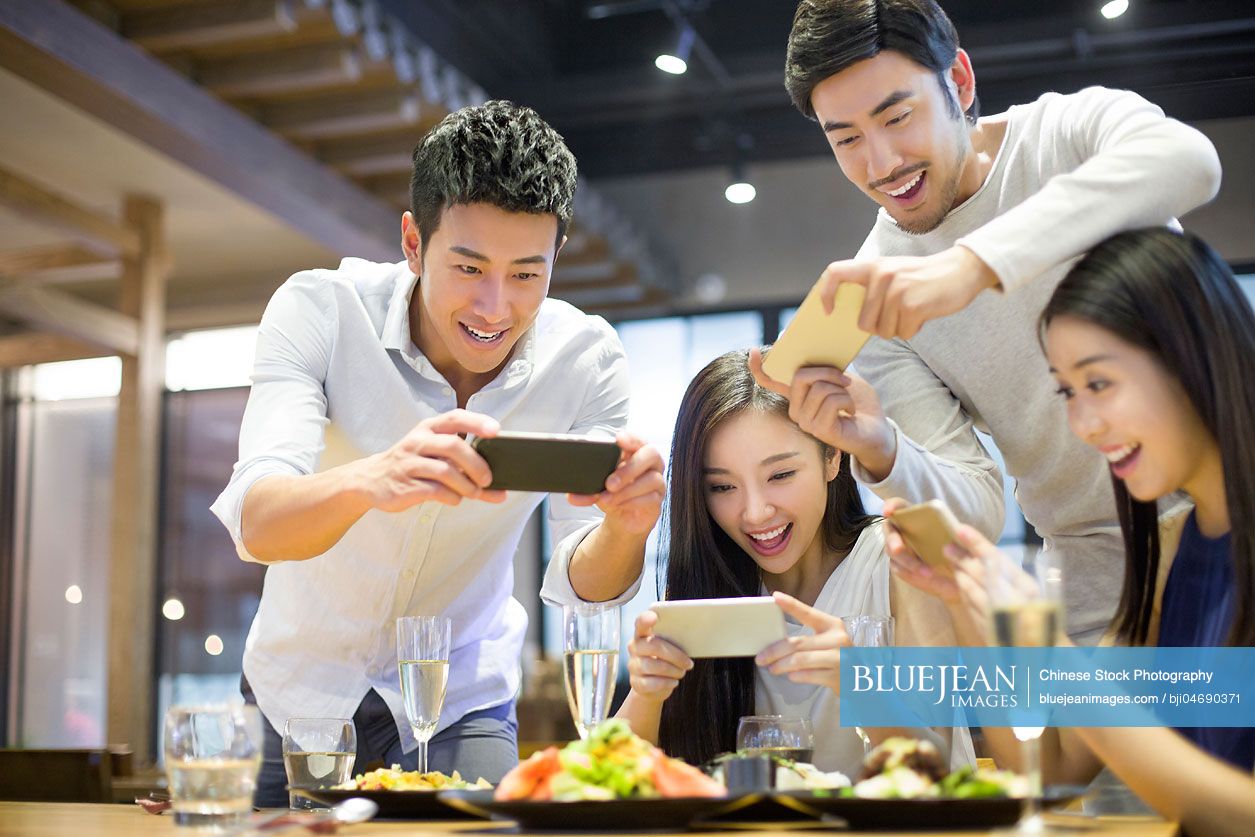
(758, 507)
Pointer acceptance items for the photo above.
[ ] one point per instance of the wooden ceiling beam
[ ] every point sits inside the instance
(19, 262)
(61, 313)
(202, 25)
(344, 114)
(587, 273)
(368, 156)
(91, 230)
(56, 47)
(298, 70)
(38, 347)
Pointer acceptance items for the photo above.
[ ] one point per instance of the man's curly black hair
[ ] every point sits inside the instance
(498, 153)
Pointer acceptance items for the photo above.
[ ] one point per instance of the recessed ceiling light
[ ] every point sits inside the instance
(1114, 9)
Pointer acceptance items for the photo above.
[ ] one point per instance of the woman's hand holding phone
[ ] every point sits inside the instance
(812, 658)
(837, 408)
(655, 666)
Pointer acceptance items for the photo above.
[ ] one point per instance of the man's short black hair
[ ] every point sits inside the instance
(497, 153)
(830, 35)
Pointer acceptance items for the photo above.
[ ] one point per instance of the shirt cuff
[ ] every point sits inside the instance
(229, 507)
(557, 589)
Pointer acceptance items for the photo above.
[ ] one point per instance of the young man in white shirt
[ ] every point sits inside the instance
(978, 221)
(358, 488)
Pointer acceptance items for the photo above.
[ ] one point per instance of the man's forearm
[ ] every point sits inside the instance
(606, 563)
(292, 518)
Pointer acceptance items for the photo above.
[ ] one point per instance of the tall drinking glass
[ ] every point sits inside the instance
(867, 631)
(317, 753)
(1026, 606)
(590, 651)
(423, 662)
(212, 756)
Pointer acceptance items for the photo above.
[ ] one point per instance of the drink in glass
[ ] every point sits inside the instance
(590, 662)
(317, 753)
(423, 665)
(1026, 611)
(867, 631)
(212, 755)
(778, 736)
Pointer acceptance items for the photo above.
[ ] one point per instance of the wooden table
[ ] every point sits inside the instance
(37, 819)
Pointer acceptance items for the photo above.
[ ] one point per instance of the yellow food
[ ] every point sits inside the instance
(394, 778)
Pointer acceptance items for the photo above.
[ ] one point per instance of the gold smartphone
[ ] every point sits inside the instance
(814, 338)
(927, 528)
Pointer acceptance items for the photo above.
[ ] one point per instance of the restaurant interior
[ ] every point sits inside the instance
(166, 164)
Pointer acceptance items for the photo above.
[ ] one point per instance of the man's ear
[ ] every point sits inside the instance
(412, 243)
(964, 80)
(561, 244)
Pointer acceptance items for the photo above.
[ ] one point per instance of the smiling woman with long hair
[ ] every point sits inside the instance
(758, 507)
(1152, 343)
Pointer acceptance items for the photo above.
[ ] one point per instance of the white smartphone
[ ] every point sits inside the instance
(814, 338)
(736, 627)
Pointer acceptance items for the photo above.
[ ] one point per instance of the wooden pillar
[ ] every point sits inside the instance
(136, 474)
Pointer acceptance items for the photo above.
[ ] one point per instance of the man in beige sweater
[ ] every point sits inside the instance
(979, 219)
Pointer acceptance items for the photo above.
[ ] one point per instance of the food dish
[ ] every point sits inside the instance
(908, 814)
(612, 763)
(395, 779)
(630, 814)
(394, 804)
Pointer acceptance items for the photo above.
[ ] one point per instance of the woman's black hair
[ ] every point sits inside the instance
(1172, 296)
(701, 561)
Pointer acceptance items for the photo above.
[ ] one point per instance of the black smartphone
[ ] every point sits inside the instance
(550, 462)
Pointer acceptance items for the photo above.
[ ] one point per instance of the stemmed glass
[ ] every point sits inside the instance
(776, 735)
(590, 651)
(868, 631)
(1026, 609)
(423, 662)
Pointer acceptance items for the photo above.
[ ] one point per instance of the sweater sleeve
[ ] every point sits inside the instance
(1138, 168)
(938, 453)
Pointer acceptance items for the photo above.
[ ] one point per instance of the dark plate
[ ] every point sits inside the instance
(931, 814)
(393, 804)
(608, 815)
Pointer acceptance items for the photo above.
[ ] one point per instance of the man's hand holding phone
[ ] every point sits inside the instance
(432, 463)
(904, 292)
(838, 408)
(632, 499)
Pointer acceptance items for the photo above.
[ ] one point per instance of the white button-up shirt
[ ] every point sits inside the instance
(338, 377)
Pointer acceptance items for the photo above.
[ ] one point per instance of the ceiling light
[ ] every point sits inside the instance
(172, 609)
(213, 645)
(1114, 9)
(677, 63)
(740, 190)
(74, 594)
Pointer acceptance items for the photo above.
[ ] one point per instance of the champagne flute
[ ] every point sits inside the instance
(590, 650)
(868, 631)
(1026, 608)
(423, 662)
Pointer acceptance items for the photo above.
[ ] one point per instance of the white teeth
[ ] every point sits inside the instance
(482, 335)
(1122, 453)
(774, 533)
(908, 187)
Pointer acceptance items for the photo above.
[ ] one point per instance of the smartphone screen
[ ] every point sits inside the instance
(548, 463)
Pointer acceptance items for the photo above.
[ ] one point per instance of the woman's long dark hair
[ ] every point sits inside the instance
(699, 718)
(1171, 295)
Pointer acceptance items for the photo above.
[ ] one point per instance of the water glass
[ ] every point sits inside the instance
(423, 664)
(212, 756)
(868, 631)
(779, 736)
(317, 753)
(590, 655)
(1026, 611)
